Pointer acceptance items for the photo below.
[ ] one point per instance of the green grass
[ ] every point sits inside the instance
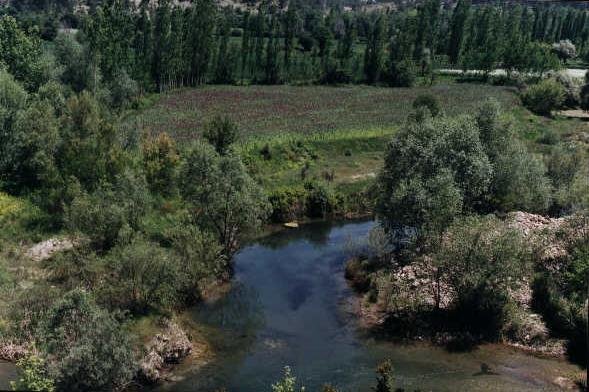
(274, 110)
(289, 135)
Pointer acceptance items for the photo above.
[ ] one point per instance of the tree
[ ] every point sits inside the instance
(89, 150)
(477, 259)
(565, 50)
(13, 99)
(80, 357)
(584, 94)
(457, 30)
(202, 25)
(373, 60)
(19, 51)
(33, 143)
(160, 163)
(223, 66)
(224, 198)
(434, 170)
(221, 133)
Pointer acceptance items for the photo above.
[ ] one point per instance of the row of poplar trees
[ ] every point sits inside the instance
(163, 46)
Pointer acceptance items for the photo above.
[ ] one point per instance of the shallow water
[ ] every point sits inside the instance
(7, 374)
(286, 309)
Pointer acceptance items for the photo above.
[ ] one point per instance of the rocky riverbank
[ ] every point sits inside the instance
(406, 300)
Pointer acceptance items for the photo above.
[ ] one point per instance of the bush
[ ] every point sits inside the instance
(320, 200)
(288, 204)
(84, 346)
(544, 97)
(32, 375)
(571, 88)
(401, 74)
(429, 101)
(101, 215)
(288, 382)
(478, 261)
(143, 276)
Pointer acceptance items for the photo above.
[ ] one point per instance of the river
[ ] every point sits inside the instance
(287, 308)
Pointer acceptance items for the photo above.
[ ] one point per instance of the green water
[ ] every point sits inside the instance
(286, 309)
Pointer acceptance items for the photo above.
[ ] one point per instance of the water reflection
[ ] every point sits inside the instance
(285, 309)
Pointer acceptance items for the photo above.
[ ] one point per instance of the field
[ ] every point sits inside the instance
(289, 134)
(271, 110)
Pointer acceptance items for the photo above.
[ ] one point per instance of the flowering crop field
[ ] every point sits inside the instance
(272, 110)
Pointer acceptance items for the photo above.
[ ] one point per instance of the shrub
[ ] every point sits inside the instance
(544, 97)
(429, 101)
(477, 260)
(143, 276)
(385, 380)
(520, 181)
(288, 382)
(32, 375)
(84, 346)
(101, 215)
(320, 200)
(287, 203)
(122, 90)
(571, 88)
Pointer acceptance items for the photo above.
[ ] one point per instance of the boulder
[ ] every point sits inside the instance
(170, 346)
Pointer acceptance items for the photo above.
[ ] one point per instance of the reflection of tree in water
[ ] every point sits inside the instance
(239, 311)
(316, 233)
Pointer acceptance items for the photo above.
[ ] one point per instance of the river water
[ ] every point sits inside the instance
(286, 308)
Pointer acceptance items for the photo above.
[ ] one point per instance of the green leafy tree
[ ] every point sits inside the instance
(19, 51)
(477, 260)
(201, 41)
(224, 198)
(89, 150)
(434, 170)
(221, 133)
(373, 56)
(457, 30)
(160, 164)
(84, 346)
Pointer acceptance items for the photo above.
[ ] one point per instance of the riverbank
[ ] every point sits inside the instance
(406, 304)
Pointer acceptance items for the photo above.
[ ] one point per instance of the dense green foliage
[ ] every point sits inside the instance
(82, 358)
(544, 97)
(439, 168)
(150, 224)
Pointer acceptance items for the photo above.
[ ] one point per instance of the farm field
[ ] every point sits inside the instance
(270, 110)
(289, 134)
